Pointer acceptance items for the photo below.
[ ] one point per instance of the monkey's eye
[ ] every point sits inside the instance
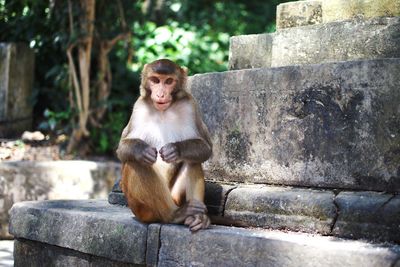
(169, 81)
(154, 80)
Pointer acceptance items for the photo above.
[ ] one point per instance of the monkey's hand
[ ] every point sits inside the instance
(145, 154)
(170, 153)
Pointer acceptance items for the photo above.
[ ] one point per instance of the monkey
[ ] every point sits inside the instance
(162, 149)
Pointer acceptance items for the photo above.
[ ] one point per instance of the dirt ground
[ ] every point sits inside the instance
(12, 150)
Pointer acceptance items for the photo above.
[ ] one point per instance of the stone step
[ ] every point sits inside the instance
(337, 41)
(77, 233)
(301, 13)
(60, 179)
(368, 215)
(333, 125)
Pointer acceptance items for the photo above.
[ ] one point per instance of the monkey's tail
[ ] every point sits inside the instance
(220, 220)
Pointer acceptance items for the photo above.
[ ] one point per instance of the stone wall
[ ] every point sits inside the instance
(331, 125)
(16, 81)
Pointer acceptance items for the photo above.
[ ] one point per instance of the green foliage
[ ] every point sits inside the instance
(54, 120)
(108, 136)
(185, 44)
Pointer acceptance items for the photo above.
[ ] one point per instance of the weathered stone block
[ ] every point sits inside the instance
(368, 215)
(16, 81)
(36, 254)
(300, 13)
(42, 180)
(335, 10)
(329, 125)
(282, 208)
(223, 246)
(337, 41)
(253, 51)
(91, 227)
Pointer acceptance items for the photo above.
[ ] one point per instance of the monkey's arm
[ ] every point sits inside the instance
(136, 149)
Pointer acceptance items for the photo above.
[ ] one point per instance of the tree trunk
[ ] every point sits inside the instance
(82, 84)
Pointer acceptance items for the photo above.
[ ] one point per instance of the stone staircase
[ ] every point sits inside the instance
(306, 133)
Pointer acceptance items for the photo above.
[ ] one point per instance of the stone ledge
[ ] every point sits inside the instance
(92, 227)
(369, 215)
(95, 228)
(224, 246)
(331, 42)
(332, 125)
(334, 10)
(38, 254)
(294, 209)
(301, 13)
(62, 179)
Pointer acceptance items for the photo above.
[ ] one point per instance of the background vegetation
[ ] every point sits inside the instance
(192, 33)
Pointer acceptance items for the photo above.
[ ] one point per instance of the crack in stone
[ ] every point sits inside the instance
(387, 201)
(337, 212)
(226, 199)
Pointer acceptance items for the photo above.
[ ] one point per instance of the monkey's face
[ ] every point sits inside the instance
(161, 87)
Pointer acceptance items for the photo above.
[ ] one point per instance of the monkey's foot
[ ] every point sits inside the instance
(197, 222)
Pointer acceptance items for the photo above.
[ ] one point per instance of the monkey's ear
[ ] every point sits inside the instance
(145, 67)
(184, 71)
(143, 91)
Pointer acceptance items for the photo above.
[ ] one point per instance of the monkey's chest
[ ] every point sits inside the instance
(161, 131)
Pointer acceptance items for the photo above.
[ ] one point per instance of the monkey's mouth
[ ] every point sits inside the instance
(162, 105)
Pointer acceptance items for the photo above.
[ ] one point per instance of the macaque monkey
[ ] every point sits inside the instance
(162, 149)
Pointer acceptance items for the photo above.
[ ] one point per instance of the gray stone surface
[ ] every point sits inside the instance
(335, 10)
(223, 246)
(16, 81)
(337, 41)
(368, 215)
(299, 13)
(37, 254)
(42, 180)
(91, 227)
(251, 51)
(153, 244)
(303, 210)
(117, 198)
(332, 125)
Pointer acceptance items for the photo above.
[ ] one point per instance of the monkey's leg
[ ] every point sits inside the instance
(147, 195)
(189, 185)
